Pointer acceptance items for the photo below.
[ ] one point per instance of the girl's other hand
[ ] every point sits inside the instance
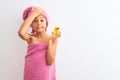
(57, 35)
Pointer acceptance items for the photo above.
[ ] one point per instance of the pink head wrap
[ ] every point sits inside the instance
(27, 11)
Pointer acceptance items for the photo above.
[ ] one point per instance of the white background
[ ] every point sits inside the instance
(89, 48)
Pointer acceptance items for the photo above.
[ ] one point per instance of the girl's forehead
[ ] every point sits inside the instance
(39, 17)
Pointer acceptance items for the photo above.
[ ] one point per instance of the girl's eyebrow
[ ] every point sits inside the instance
(38, 19)
(42, 18)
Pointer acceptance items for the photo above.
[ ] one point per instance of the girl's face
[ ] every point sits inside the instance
(39, 24)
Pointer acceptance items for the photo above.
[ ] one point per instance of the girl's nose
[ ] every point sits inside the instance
(39, 22)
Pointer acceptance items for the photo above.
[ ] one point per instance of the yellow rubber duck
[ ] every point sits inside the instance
(56, 30)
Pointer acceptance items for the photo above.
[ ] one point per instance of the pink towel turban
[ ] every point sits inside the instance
(26, 13)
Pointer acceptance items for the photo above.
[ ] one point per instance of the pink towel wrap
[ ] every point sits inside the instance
(36, 67)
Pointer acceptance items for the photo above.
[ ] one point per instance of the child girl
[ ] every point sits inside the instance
(41, 52)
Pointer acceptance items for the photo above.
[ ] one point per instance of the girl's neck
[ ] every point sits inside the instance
(40, 34)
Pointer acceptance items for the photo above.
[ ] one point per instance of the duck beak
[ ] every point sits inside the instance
(57, 28)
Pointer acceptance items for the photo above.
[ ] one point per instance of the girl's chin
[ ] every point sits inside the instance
(40, 31)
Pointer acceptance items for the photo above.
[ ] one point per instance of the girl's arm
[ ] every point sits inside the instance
(52, 46)
(51, 51)
(28, 21)
(25, 26)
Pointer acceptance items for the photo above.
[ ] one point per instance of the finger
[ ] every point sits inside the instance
(52, 33)
(59, 33)
(33, 8)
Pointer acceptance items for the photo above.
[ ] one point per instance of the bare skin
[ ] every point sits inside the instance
(38, 23)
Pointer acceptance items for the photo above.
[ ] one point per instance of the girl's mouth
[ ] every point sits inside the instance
(39, 27)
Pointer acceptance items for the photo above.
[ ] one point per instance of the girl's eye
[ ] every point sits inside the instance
(41, 20)
(35, 21)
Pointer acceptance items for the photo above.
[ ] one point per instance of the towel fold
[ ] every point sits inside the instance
(36, 67)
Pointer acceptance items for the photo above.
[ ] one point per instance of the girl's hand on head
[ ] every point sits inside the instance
(35, 11)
